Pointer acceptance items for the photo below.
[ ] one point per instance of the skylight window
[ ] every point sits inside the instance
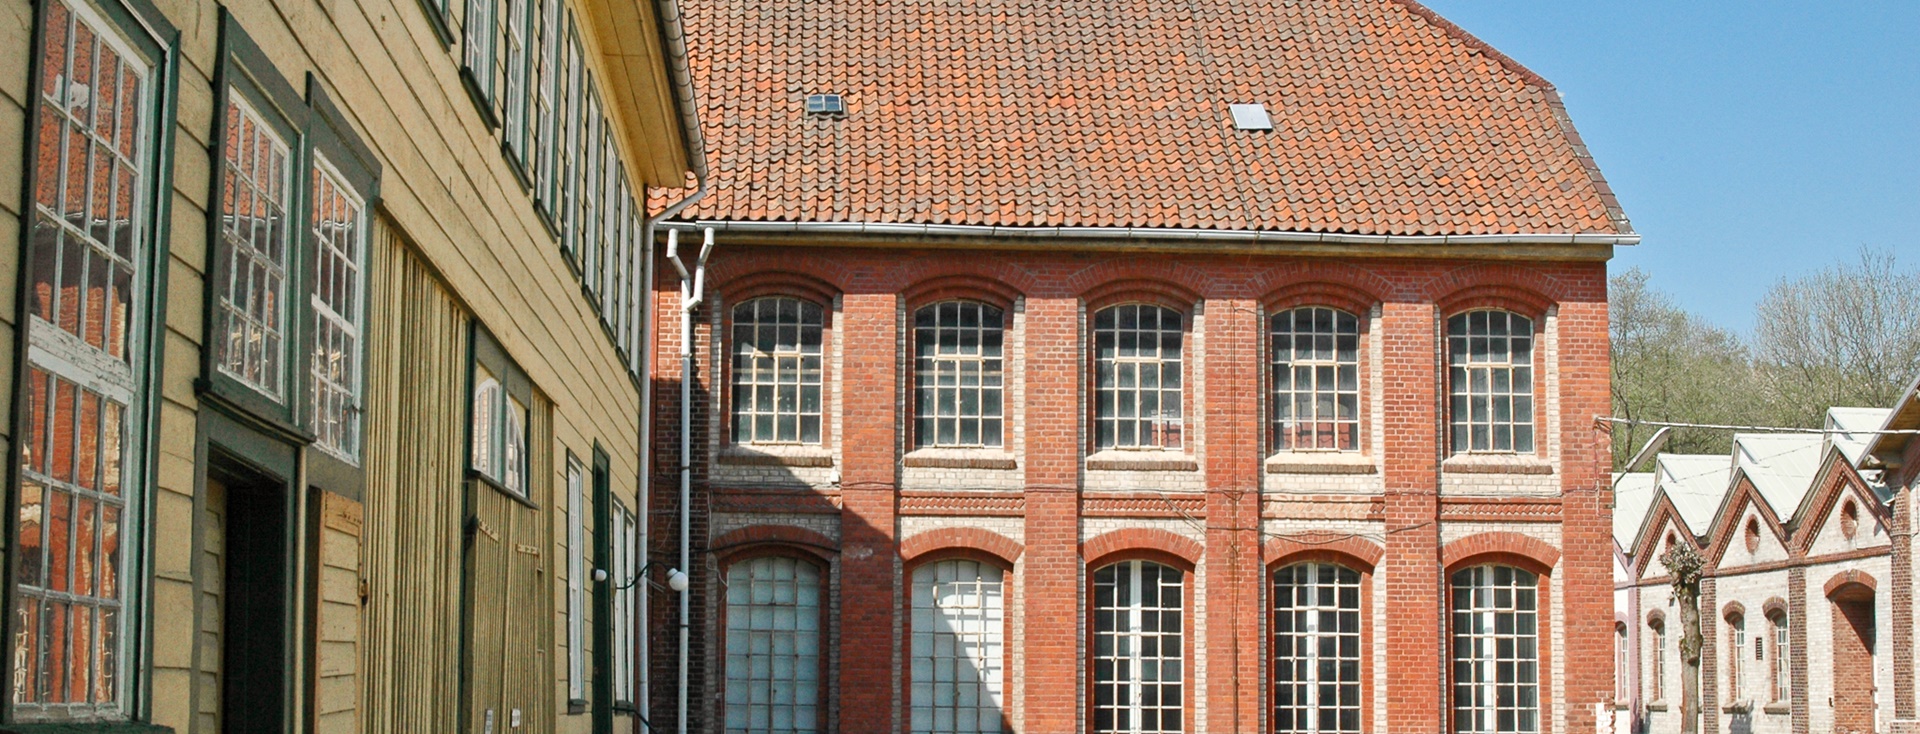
(826, 104)
(1251, 117)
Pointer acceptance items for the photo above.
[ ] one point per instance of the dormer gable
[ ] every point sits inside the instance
(1841, 514)
(1664, 525)
(1746, 532)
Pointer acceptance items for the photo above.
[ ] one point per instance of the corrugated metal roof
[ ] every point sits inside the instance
(1781, 466)
(1852, 445)
(1695, 483)
(1632, 497)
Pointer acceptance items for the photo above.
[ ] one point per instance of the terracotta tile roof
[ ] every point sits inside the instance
(1114, 113)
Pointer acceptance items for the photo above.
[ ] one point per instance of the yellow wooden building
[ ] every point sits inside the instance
(326, 348)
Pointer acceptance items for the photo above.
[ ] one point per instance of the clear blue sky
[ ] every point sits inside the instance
(1748, 141)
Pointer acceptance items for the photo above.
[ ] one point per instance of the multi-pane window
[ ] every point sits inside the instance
(1620, 669)
(1657, 685)
(958, 645)
(772, 668)
(1316, 379)
(545, 56)
(498, 434)
(566, 148)
(339, 236)
(250, 330)
(576, 580)
(958, 375)
(1782, 671)
(482, 45)
(777, 371)
(1316, 649)
(1138, 650)
(626, 614)
(1736, 656)
(590, 199)
(1138, 371)
(485, 452)
(513, 61)
(78, 444)
(1496, 651)
(1490, 379)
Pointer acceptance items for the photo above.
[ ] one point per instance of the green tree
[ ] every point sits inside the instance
(1847, 335)
(1669, 365)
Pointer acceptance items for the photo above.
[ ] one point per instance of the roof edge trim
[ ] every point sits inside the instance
(1150, 233)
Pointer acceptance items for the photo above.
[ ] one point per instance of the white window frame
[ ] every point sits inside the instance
(514, 38)
(1491, 366)
(62, 355)
(1314, 375)
(752, 688)
(1736, 657)
(766, 364)
(577, 520)
(339, 396)
(957, 648)
(1782, 667)
(1477, 612)
(1121, 635)
(481, 45)
(943, 365)
(270, 359)
(1659, 661)
(626, 529)
(1328, 615)
(1128, 355)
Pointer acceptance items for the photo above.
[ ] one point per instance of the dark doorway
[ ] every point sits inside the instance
(255, 550)
(1853, 689)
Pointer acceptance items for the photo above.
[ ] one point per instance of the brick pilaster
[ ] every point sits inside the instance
(1710, 653)
(1586, 546)
(1797, 632)
(1235, 672)
(1902, 573)
(869, 568)
(1416, 693)
(1052, 579)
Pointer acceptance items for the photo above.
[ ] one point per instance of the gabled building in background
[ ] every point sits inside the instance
(324, 360)
(1135, 367)
(1806, 605)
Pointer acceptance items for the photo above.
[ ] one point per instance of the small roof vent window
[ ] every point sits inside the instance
(826, 104)
(1251, 117)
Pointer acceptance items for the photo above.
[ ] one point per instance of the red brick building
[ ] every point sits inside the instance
(1086, 366)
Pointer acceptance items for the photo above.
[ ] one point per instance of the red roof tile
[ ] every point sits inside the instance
(1114, 113)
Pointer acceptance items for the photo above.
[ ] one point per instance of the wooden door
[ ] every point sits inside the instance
(1853, 688)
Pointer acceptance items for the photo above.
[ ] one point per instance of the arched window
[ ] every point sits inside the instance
(777, 371)
(1657, 662)
(1782, 671)
(1736, 655)
(958, 648)
(1620, 668)
(1316, 379)
(487, 445)
(1490, 380)
(773, 658)
(958, 375)
(1496, 650)
(1138, 648)
(1316, 649)
(1137, 387)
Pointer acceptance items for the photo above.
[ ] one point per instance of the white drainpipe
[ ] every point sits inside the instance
(692, 292)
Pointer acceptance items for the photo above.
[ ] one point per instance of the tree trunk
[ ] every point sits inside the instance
(1690, 645)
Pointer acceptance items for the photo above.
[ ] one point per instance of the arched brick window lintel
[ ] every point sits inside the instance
(763, 283)
(1140, 290)
(1774, 607)
(1656, 617)
(1503, 297)
(937, 544)
(757, 540)
(960, 288)
(1519, 550)
(1362, 554)
(1851, 584)
(1732, 610)
(1322, 293)
(1129, 542)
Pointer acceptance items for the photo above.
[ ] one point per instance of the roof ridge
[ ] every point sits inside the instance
(1615, 213)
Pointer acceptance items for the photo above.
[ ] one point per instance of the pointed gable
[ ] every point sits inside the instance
(1663, 522)
(1746, 531)
(1780, 466)
(1841, 514)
